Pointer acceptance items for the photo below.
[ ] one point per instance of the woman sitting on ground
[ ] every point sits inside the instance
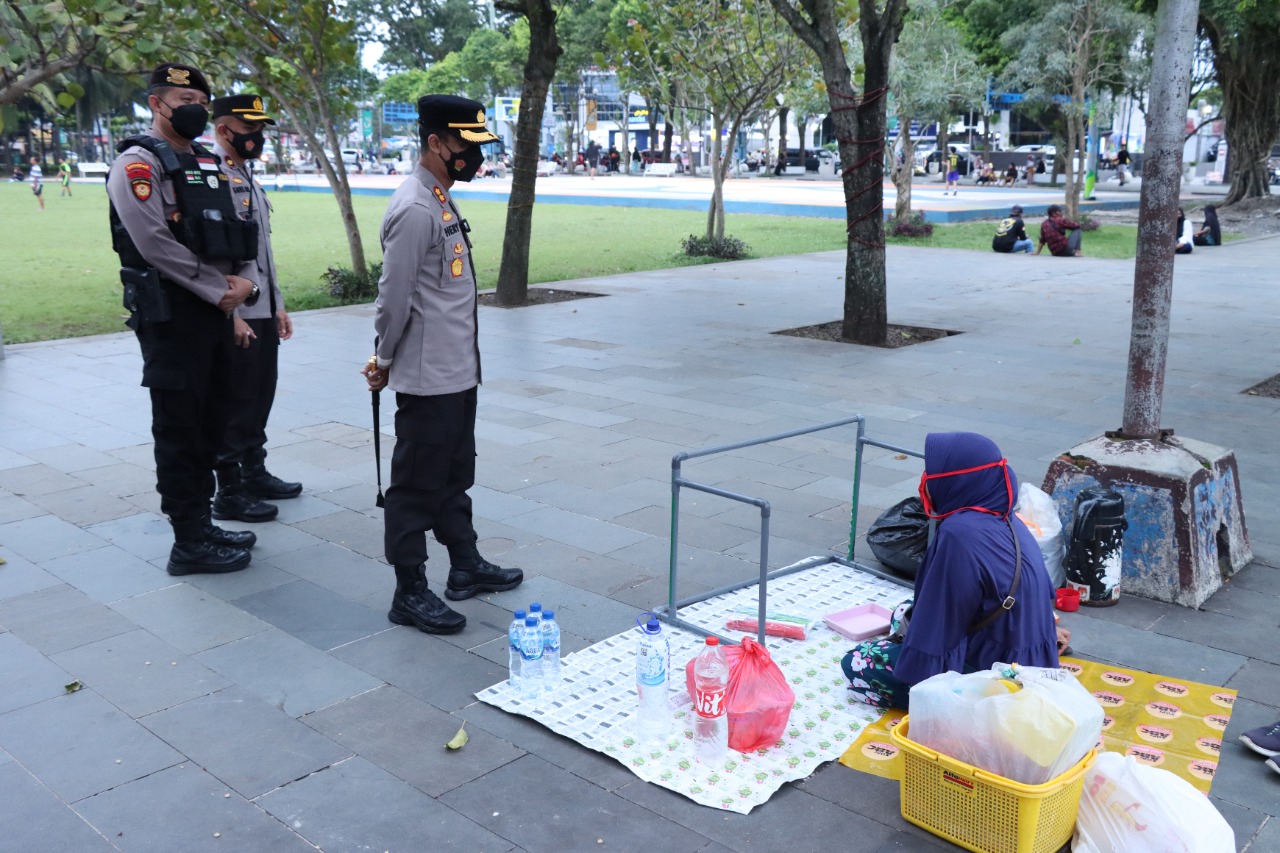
(1211, 233)
(1182, 233)
(981, 559)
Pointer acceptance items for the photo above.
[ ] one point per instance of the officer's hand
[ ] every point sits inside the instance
(284, 326)
(243, 333)
(376, 376)
(238, 290)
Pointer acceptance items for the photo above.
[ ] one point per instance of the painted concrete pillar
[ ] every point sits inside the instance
(1182, 498)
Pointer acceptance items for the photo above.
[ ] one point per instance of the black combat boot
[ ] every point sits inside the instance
(194, 552)
(231, 538)
(264, 485)
(235, 502)
(471, 574)
(414, 604)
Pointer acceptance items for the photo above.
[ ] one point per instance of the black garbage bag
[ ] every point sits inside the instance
(900, 536)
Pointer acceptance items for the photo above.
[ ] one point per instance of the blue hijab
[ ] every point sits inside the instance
(968, 569)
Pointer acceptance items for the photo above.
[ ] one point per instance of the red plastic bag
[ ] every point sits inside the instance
(759, 699)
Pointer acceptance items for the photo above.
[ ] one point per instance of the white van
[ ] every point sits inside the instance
(351, 156)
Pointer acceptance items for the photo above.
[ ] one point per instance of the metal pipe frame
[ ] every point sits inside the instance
(670, 612)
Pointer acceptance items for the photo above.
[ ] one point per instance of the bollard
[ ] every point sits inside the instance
(1097, 543)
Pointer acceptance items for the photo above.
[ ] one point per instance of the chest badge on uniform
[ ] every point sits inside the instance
(447, 217)
(458, 248)
(139, 175)
(456, 267)
(212, 181)
(439, 193)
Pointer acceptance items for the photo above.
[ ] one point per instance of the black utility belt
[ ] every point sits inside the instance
(215, 238)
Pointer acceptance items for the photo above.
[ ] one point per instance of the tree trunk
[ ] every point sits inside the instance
(903, 174)
(1250, 109)
(1070, 193)
(667, 130)
(944, 140)
(652, 109)
(783, 113)
(539, 69)
(624, 154)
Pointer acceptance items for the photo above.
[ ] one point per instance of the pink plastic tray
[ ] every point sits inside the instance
(861, 622)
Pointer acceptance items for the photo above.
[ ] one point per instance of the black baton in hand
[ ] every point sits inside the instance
(377, 438)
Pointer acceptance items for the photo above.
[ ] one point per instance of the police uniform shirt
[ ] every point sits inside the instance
(425, 313)
(251, 202)
(145, 201)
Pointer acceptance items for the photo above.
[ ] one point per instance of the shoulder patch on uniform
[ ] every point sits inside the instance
(446, 217)
(139, 175)
(456, 267)
(458, 248)
(439, 194)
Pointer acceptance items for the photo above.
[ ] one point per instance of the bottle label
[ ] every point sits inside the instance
(710, 703)
(651, 668)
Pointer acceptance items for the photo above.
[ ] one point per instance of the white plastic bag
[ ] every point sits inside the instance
(1031, 730)
(1129, 808)
(1040, 514)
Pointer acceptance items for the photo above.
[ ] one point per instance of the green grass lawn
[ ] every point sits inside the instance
(60, 278)
(1109, 241)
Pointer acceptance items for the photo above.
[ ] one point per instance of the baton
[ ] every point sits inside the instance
(377, 438)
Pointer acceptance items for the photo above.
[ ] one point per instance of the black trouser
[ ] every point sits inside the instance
(255, 370)
(433, 465)
(186, 363)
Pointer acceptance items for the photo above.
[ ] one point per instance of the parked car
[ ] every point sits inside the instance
(935, 164)
(811, 159)
(351, 156)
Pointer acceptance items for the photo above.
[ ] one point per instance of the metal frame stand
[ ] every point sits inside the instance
(670, 612)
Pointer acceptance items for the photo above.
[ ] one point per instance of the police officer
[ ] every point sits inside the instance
(428, 350)
(185, 254)
(243, 480)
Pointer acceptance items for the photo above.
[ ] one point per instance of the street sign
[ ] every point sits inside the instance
(506, 109)
(366, 124)
(591, 115)
(396, 112)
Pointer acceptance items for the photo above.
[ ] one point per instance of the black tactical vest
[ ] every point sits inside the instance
(207, 222)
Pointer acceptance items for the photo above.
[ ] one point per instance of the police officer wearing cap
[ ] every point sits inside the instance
(429, 353)
(244, 484)
(184, 255)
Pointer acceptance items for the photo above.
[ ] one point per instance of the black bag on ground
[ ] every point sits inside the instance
(900, 537)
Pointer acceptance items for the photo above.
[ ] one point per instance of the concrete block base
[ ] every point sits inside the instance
(1182, 500)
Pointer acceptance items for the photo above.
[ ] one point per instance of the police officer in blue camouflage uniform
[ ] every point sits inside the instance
(429, 352)
(184, 254)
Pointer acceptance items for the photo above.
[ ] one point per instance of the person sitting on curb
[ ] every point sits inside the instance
(1053, 233)
(1182, 233)
(1011, 234)
(1010, 177)
(981, 556)
(1211, 233)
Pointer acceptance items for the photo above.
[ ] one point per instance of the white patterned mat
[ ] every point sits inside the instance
(595, 703)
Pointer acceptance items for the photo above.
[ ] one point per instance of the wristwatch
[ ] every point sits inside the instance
(254, 293)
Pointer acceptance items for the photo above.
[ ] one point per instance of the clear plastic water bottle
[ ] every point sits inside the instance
(711, 718)
(513, 650)
(530, 658)
(550, 649)
(653, 668)
(535, 610)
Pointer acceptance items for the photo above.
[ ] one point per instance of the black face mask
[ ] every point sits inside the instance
(464, 165)
(248, 145)
(188, 120)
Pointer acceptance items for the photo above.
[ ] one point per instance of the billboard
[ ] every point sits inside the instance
(506, 109)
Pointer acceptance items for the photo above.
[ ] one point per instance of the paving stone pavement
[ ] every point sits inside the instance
(276, 708)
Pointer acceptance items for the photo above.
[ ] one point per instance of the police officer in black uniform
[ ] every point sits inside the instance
(183, 252)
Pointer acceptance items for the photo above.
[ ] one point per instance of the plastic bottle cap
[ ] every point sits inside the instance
(531, 621)
(535, 607)
(713, 641)
(548, 614)
(520, 615)
(653, 627)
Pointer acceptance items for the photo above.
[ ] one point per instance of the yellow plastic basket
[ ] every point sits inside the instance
(981, 811)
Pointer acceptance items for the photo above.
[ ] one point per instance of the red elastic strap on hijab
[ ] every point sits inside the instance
(928, 504)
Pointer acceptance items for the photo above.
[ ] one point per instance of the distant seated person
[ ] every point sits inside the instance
(1010, 176)
(1211, 233)
(1011, 234)
(982, 594)
(988, 175)
(1053, 233)
(1183, 234)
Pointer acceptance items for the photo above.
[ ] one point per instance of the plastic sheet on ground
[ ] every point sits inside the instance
(595, 703)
